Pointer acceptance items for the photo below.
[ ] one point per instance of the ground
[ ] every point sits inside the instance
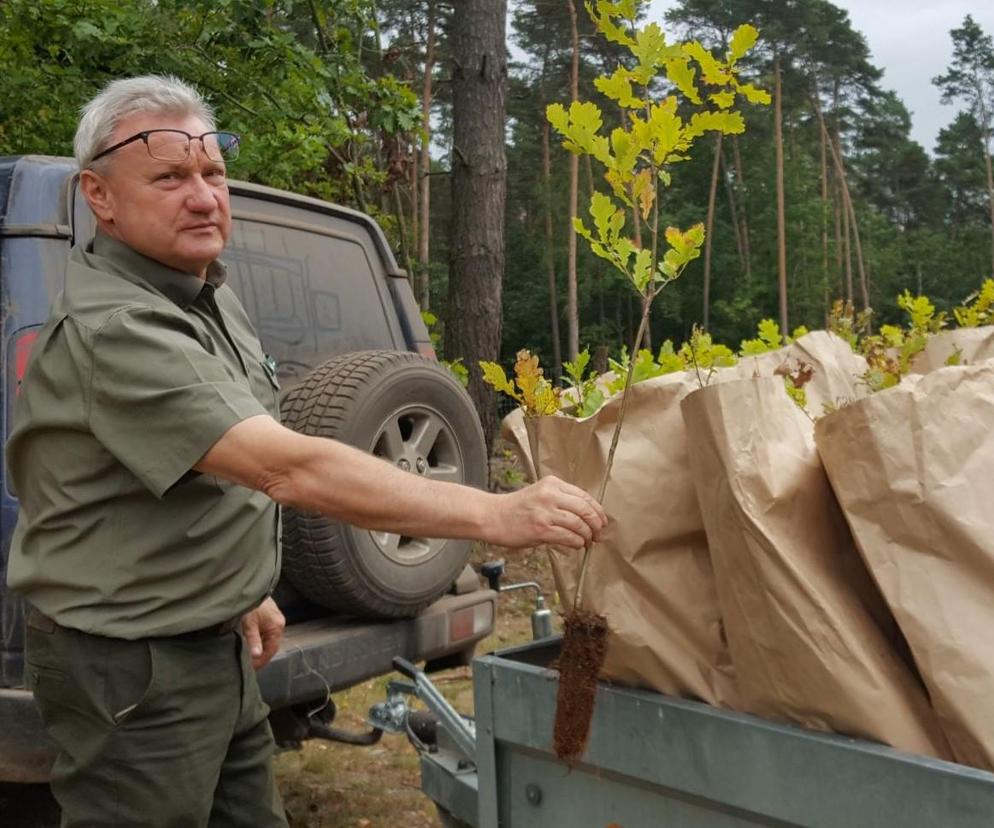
(330, 785)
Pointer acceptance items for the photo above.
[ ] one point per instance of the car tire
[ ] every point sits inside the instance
(414, 413)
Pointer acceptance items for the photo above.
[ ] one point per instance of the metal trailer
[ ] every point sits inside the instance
(659, 761)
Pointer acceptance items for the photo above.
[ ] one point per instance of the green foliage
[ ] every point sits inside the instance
(458, 369)
(644, 367)
(456, 366)
(704, 356)
(654, 135)
(288, 76)
(922, 212)
(890, 353)
(980, 311)
(921, 313)
(530, 389)
(768, 338)
(507, 473)
(431, 322)
(845, 323)
(589, 398)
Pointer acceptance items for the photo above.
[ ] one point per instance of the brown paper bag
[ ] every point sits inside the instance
(798, 605)
(975, 345)
(651, 573)
(912, 469)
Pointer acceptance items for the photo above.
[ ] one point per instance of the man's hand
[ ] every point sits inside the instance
(263, 629)
(549, 511)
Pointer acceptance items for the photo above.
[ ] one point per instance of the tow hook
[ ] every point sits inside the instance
(294, 725)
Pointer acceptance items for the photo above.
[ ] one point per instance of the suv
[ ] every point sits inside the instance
(355, 363)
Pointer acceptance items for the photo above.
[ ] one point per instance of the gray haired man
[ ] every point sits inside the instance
(148, 458)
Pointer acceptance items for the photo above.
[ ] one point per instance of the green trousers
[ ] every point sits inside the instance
(168, 732)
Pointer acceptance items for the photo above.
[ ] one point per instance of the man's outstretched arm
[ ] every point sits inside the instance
(326, 476)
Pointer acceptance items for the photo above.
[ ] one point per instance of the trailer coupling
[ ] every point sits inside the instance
(395, 715)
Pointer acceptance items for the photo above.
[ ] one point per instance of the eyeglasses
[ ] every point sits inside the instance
(174, 144)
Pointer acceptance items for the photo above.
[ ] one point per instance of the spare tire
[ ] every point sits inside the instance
(410, 411)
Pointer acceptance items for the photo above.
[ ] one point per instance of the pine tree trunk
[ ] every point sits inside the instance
(572, 308)
(550, 249)
(781, 215)
(824, 220)
(846, 246)
(850, 212)
(990, 182)
(708, 229)
(479, 189)
(740, 183)
(864, 281)
(413, 196)
(839, 270)
(424, 226)
(398, 203)
(733, 211)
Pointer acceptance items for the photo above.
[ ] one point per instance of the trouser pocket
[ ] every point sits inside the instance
(107, 681)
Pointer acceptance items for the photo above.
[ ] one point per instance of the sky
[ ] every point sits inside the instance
(909, 40)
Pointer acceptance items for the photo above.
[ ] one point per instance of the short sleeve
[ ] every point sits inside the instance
(158, 398)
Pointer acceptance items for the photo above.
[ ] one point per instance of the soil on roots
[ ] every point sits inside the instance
(580, 662)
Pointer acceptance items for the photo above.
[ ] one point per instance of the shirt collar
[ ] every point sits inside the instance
(181, 288)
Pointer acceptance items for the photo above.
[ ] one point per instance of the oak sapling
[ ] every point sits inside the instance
(637, 156)
(889, 354)
(980, 310)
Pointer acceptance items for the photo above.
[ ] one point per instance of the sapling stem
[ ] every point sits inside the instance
(537, 462)
(650, 294)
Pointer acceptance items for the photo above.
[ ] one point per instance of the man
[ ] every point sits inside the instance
(149, 460)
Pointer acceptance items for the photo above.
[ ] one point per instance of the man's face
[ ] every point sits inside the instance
(176, 212)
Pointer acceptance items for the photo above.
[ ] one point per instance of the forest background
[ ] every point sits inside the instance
(430, 114)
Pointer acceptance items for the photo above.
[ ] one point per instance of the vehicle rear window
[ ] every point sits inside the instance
(311, 295)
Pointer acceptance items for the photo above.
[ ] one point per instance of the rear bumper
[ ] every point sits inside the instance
(328, 654)
(26, 752)
(315, 658)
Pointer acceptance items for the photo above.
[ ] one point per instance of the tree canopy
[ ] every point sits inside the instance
(326, 93)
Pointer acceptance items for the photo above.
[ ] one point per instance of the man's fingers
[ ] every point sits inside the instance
(574, 523)
(250, 629)
(561, 536)
(589, 500)
(587, 510)
(579, 503)
(271, 641)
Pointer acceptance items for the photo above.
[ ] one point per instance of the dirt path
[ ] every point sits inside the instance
(330, 785)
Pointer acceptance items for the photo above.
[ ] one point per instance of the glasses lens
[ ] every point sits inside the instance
(221, 146)
(167, 145)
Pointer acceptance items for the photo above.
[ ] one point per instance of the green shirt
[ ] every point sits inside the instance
(136, 374)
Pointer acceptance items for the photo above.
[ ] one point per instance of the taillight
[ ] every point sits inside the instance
(471, 621)
(425, 349)
(22, 353)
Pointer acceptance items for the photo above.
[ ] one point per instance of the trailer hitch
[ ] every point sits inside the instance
(395, 715)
